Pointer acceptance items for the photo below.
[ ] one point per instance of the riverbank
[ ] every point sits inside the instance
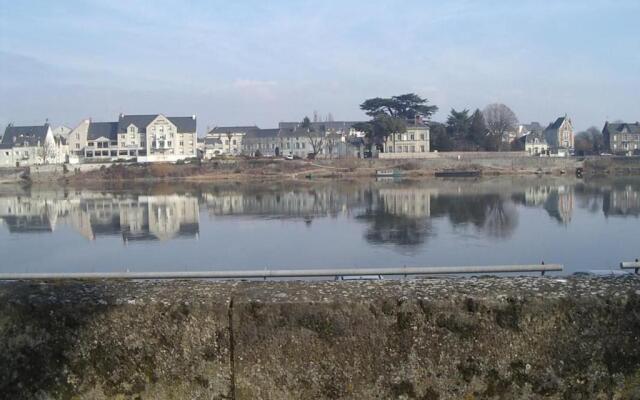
(275, 169)
(471, 338)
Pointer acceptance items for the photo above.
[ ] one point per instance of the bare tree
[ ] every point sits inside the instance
(47, 152)
(500, 119)
(316, 139)
(330, 143)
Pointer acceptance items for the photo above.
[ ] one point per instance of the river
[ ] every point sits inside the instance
(584, 225)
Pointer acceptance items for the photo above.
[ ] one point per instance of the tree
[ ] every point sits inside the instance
(408, 106)
(330, 142)
(477, 128)
(316, 140)
(458, 123)
(590, 141)
(380, 127)
(47, 151)
(440, 140)
(500, 119)
(306, 123)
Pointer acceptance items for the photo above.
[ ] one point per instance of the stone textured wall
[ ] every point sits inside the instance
(474, 338)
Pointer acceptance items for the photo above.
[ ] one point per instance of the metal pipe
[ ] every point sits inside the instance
(283, 273)
(634, 265)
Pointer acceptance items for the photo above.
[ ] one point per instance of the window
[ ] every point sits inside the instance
(422, 136)
(303, 145)
(132, 129)
(234, 142)
(181, 143)
(77, 136)
(77, 146)
(413, 137)
(422, 149)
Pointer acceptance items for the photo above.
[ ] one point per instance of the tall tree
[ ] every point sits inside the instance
(477, 128)
(500, 119)
(458, 123)
(306, 122)
(407, 106)
(440, 140)
(590, 141)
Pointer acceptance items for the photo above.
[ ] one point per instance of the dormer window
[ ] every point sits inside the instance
(132, 129)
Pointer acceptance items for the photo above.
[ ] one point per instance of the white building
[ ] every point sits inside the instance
(226, 140)
(146, 138)
(413, 143)
(30, 145)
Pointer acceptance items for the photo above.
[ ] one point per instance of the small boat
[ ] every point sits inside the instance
(458, 174)
(388, 173)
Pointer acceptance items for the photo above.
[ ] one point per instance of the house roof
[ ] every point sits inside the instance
(557, 124)
(183, 124)
(328, 125)
(212, 141)
(299, 132)
(233, 129)
(262, 133)
(530, 137)
(617, 127)
(107, 130)
(25, 135)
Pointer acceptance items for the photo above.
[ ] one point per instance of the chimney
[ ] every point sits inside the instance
(121, 115)
(193, 117)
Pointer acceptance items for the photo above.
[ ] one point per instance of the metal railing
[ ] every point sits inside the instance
(286, 273)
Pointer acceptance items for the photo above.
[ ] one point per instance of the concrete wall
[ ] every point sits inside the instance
(480, 338)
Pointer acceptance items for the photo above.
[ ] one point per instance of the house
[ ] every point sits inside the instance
(145, 138)
(533, 143)
(264, 142)
(231, 137)
(414, 143)
(559, 135)
(339, 127)
(622, 137)
(29, 145)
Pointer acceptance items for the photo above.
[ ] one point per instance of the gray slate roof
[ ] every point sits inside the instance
(107, 130)
(614, 128)
(233, 129)
(27, 136)
(557, 123)
(183, 124)
(212, 141)
(262, 133)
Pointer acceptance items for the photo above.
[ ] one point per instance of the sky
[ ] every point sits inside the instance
(261, 62)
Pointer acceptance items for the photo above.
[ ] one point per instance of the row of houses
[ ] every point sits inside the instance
(556, 138)
(145, 138)
(330, 139)
(158, 138)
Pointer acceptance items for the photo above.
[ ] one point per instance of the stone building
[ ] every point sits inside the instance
(414, 143)
(559, 134)
(622, 137)
(146, 138)
(230, 137)
(30, 145)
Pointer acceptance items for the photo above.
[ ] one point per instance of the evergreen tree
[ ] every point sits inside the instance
(477, 129)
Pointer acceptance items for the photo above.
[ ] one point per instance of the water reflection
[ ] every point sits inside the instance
(95, 214)
(400, 214)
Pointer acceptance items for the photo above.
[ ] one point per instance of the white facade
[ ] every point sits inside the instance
(414, 143)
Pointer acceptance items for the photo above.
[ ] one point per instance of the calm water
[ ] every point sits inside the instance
(584, 225)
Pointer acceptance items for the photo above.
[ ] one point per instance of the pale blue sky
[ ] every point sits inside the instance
(261, 62)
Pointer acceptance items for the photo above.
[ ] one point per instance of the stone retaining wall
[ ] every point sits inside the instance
(475, 338)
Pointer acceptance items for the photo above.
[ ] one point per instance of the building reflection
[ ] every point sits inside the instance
(397, 213)
(93, 215)
(623, 201)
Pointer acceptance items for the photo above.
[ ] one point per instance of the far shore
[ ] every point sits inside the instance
(270, 169)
